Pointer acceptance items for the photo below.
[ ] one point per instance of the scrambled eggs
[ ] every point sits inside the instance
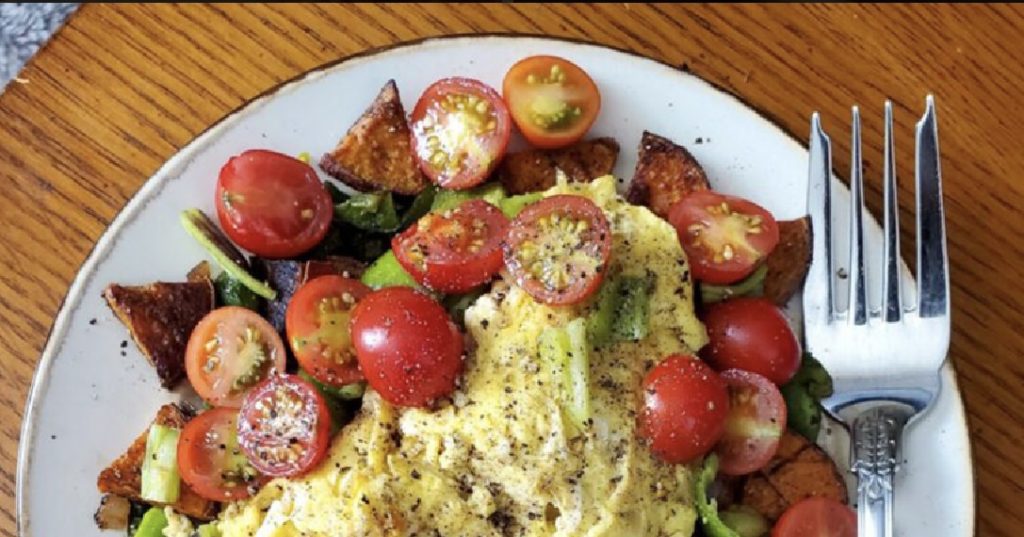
(500, 459)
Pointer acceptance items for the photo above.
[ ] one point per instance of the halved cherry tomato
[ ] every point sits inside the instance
(210, 460)
(409, 349)
(317, 325)
(558, 249)
(757, 418)
(685, 404)
(817, 517)
(751, 334)
(552, 100)
(724, 237)
(272, 204)
(456, 250)
(229, 351)
(284, 426)
(460, 128)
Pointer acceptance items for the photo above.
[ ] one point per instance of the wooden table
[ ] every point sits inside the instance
(123, 87)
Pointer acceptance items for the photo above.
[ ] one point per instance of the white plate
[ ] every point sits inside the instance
(88, 402)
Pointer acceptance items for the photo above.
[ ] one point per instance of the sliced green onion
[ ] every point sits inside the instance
(565, 354)
(160, 480)
(153, 523)
(203, 230)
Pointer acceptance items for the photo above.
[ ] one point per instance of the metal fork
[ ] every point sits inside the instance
(885, 363)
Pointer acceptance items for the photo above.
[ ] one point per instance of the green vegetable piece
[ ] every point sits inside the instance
(752, 285)
(386, 271)
(203, 230)
(231, 292)
(745, 521)
(458, 304)
(420, 206)
(602, 319)
(160, 480)
(513, 205)
(371, 211)
(707, 508)
(153, 523)
(565, 353)
(208, 530)
(803, 394)
(634, 308)
(492, 193)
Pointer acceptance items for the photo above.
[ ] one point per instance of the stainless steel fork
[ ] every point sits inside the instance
(885, 362)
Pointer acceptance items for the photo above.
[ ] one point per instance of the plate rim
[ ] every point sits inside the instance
(155, 182)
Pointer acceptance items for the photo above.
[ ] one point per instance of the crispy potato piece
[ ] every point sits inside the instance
(665, 172)
(160, 317)
(200, 272)
(788, 263)
(799, 470)
(534, 170)
(376, 153)
(124, 476)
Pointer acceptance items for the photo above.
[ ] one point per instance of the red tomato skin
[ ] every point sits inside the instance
(496, 143)
(693, 209)
(591, 101)
(453, 272)
(754, 401)
(684, 408)
(522, 229)
(251, 437)
(198, 473)
(299, 324)
(283, 183)
(408, 348)
(817, 517)
(751, 334)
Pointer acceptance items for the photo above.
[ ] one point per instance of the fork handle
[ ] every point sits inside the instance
(877, 435)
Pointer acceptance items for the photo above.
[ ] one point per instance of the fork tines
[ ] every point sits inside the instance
(932, 280)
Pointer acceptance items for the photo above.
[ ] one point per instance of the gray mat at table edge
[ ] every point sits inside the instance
(24, 28)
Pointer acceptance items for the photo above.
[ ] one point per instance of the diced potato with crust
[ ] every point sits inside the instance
(534, 170)
(788, 263)
(160, 317)
(124, 476)
(377, 153)
(799, 470)
(665, 172)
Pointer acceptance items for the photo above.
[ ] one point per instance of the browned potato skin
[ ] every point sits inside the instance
(124, 476)
(665, 173)
(160, 317)
(799, 470)
(534, 170)
(377, 153)
(788, 263)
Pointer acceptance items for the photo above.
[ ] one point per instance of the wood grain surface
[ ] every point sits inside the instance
(122, 87)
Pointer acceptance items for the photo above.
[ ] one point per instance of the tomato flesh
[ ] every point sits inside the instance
(460, 128)
(552, 100)
(229, 351)
(751, 334)
(454, 251)
(685, 404)
(317, 323)
(724, 237)
(210, 460)
(409, 349)
(756, 420)
(558, 249)
(272, 204)
(284, 426)
(817, 517)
